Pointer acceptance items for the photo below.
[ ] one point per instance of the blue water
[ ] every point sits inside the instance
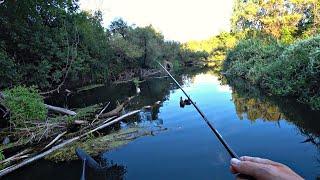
(189, 150)
(272, 128)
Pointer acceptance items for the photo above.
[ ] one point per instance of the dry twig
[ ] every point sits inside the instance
(39, 156)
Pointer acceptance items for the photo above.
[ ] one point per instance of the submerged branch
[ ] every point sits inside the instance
(117, 110)
(41, 155)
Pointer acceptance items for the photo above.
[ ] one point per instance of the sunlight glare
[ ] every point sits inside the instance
(179, 20)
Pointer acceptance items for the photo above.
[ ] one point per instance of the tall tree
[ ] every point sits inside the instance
(151, 42)
(281, 18)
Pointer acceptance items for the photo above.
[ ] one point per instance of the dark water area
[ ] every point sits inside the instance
(253, 124)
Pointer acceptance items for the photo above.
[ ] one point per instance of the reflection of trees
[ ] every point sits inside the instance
(255, 108)
(152, 90)
(69, 170)
(250, 101)
(109, 93)
(155, 89)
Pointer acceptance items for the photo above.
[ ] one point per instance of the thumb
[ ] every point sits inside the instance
(248, 167)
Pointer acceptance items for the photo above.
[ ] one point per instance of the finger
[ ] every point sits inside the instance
(260, 160)
(249, 168)
(233, 171)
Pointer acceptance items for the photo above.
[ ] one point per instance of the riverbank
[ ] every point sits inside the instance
(33, 125)
(28, 140)
(281, 70)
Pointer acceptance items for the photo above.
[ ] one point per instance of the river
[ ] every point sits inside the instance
(253, 124)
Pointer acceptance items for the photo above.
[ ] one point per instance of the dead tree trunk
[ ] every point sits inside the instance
(39, 156)
(61, 110)
(117, 110)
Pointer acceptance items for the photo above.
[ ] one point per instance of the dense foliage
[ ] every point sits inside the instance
(25, 105)
(47, 43)
(286, 20)
(297, 72)
(216, 47)
(284, 71)
(272, 44)
(250, 58)
(280, 51)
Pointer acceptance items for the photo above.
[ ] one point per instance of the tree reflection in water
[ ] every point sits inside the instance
(254, 105)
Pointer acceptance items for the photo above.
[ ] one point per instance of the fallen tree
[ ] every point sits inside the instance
(42, 135)
(95, 146)
(117, 110)
(60, 110)
(43, 154)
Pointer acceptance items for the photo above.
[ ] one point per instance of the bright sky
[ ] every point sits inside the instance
(179, 20)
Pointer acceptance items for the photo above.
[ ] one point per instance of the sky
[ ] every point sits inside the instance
(179, 20)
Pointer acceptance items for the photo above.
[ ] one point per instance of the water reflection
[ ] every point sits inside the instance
(68, 170)
(268, 127)
(254, 109)
(252, 104)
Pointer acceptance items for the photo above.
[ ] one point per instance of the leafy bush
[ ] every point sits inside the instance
(284, 71)
(25, 104)
(297, 72)
(249, 58)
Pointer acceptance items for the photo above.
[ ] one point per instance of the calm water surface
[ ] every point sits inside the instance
(251, 123)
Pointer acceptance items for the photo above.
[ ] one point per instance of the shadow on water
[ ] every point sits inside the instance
(152, 90)
(68, 170)
(109, 93)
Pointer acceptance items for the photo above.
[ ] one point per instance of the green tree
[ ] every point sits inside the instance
(151, 43)
(53, 43)
(284, 19)
(119, 27)
(216, 47)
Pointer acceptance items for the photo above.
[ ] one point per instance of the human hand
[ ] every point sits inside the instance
(262, 169)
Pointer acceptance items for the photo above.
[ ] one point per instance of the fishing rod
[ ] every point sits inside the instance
(214, 130)
(87, 160)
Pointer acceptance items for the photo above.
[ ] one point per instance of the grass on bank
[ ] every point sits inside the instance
(25, 104)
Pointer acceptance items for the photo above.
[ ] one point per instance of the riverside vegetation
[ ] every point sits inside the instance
(49, 46)
(274, 45)
(46, 43)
